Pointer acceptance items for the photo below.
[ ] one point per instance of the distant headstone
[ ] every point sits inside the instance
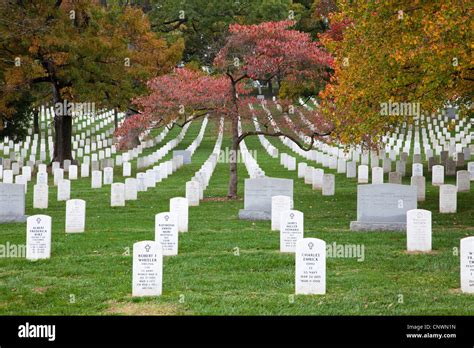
(394, 178)
(418, 230)
(193, 193)
(437, 176)
(420, 183)
(131, 189)
(179, 206)
(38, 237)
(258, 196)
(147, 269)
(463, 181)
(64, 190)
(383, 207)
(75, 215)
(317, 178)
(329, 185)
(117, 194)
(447, 199)
(363, 174)
(185, 153)
(377, 175)
(310, 270)
(166, 232)
(96, 181)
(40, 196)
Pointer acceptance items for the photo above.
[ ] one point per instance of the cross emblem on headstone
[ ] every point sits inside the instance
(167, 217)
(38, 220)
(147, 247)
(310, 245)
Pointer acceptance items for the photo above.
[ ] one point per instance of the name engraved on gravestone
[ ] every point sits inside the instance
(291, 230)
(166, 232)
(419, 230)
(147, 269)
(467, 265)
(38, 237)
(310, 269)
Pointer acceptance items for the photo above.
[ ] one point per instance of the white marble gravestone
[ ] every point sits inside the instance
(75, 215)
(73, 172)
(179, 206)
(108, 176)
(463, 181)
(447, 199)
(96, 181)
(377, 175)
(40, 196)
(38, 237)
(467, 265)
(117, 195)
(193, 193)
(310, 270)
(131, 189)
(329, 185)
(166, 232)
(419, 230)
(64, 190)
(291, 230)
(147, 271)
(437, 175)
(317, 178)
(363, 174)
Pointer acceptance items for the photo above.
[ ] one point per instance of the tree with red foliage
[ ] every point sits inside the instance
(252, 52)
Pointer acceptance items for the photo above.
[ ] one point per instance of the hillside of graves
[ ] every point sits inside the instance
(76, 246)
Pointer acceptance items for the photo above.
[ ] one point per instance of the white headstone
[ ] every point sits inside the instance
(38, 237)
(377, 175)
(418, 230)
(179, 206)
(75, 215)
(96, 181)
(40, 196)
(310, 270)
(291, 230)
(363, 174)
(166, 232)
(193, 193)
(64, 190)
(131, 189)
(467, 265)
(447, 199)
(437, 175)
(117, 195)
(147, 269)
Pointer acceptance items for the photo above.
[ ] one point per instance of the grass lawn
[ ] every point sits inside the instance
(227, 266)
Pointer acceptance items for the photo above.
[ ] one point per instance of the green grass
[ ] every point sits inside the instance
(208, 278)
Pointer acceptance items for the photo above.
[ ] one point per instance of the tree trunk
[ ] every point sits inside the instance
(116, 118)
(36, 121)
(62, 130)
(232, 193)
(270, 87)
